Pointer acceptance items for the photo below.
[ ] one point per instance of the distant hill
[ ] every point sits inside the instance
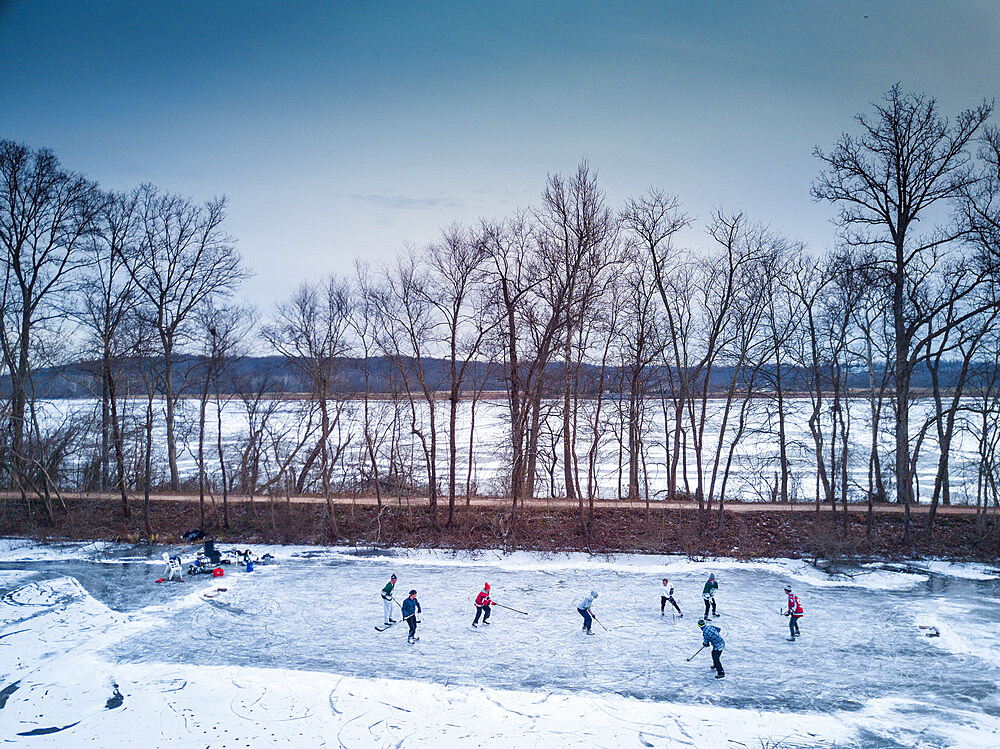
(275, 374)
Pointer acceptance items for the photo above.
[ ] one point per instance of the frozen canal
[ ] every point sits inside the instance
(290, 653)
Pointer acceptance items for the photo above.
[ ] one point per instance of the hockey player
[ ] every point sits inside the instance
(708, 593)
(411, 607)
(711, 636)
(483, 605)
(585, 612)
(667, 594)
(387, 600)
(794, 612)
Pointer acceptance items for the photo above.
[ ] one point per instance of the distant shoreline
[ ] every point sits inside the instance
(748, 531)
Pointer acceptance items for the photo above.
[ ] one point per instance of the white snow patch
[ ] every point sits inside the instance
(962, 570)
(950, 620)
(28, 550)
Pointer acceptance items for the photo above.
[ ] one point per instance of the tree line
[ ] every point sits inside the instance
(604, 329)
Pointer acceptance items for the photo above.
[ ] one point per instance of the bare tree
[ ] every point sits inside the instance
(311, 332)
(455, 286)
(183, 258)
(907, 161)
(654, 220)
(222, 332)
(108, 301)
(409, 332)
(46, 215)
(578, 232)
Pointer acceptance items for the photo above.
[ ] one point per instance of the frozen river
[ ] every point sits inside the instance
(753, 472)
(289, 652)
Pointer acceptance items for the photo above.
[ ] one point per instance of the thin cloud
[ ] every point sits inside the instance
(408, 202)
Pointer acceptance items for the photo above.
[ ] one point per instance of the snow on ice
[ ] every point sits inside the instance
(288, 654)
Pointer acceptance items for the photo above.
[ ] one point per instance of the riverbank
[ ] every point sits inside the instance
(747, 531)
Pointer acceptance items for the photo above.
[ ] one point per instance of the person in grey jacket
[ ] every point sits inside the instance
(586, 613)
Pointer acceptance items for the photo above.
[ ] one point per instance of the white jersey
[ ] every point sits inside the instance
(667, 591)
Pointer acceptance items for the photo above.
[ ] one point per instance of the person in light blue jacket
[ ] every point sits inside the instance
(586, 613)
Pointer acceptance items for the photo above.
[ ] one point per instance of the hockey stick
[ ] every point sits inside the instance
(510, 608)
(592, 616)
(699, 650)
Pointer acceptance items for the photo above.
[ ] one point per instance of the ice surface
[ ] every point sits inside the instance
(289, 653)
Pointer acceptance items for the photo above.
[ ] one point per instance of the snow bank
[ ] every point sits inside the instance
(197, 706)
(962, 570)
(27, 550)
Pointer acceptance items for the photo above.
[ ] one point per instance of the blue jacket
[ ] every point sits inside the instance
(410, 607)
(711, 636)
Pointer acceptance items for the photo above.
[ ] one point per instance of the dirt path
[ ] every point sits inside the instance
(536, 503)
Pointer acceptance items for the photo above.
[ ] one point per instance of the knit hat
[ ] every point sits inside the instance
(413, 593)
(712, 576)
(701, 622)
(393, 577)
(788, 588)
(593, 594)
(486, 586)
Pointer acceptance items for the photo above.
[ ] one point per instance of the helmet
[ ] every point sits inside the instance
(486, 586)
(701, 622)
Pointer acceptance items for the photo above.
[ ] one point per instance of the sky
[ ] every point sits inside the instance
(348, 130)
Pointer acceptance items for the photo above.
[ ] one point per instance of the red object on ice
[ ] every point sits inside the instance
(217, 572)
(162, 579)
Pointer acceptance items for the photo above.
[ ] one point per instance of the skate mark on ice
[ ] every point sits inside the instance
(46, 731)
(343, 727)
(510, 710)
(7, 691)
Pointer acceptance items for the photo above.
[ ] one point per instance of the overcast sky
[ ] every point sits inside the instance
(344, 130)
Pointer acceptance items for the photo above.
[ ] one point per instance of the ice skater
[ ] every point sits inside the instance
(708, 593)
(387, 600)
(586, 613)
(794, 612)
(411, 607)
(483, 605)
(667, 594)
(710, 636)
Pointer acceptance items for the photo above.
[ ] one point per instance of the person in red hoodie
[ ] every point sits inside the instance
(794, 612)
(483, 605)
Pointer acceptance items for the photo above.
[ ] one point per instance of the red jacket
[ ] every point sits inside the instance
(483, 599)
(794, 605)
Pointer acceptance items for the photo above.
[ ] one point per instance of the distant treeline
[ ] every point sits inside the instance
(281, 377)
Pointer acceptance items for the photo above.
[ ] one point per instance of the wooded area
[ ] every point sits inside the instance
(591, 316)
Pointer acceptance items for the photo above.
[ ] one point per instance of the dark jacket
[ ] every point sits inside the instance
(410, 607)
